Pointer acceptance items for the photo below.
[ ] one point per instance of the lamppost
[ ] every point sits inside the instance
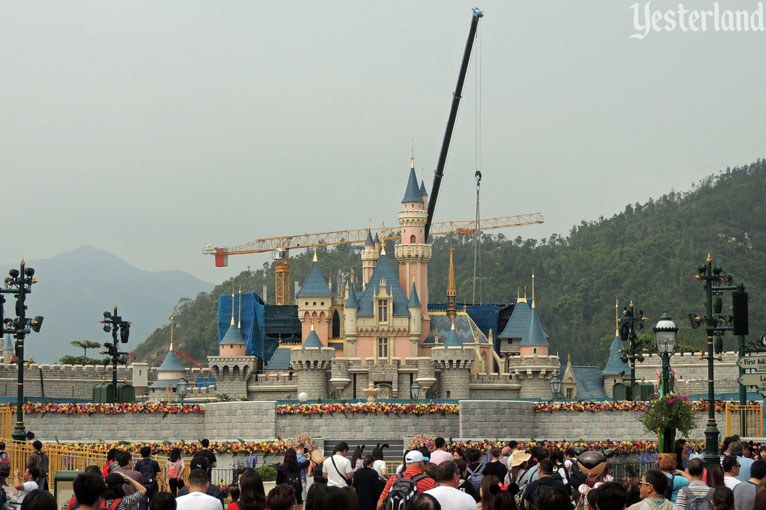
(182, 388)
(665, 338)
(19, 283)
(716, 281)
(555, 387)
(631, 323)
(115, 324)
(414, 390)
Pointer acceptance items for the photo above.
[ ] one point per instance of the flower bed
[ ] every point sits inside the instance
(697, 405)
(114, 408)
(378, 408)
(619, 447)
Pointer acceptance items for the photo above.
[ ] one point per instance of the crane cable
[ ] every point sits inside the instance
(477, 175)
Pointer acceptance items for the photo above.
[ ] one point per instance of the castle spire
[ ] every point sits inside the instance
(616, 316)
(451, 289)
(232, 310)
(239, 318)
(533, 287)
(171, 333)
(315, 255)
(412, 155)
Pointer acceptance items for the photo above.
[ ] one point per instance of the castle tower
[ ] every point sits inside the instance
(413, 253)
(8, 350)
(416, 320)
(451, 290)
(233, 344)
(455, 362)
(423, 192)
(369, 258)
(168, 373)
(314, 304)
(615, 367)
(311, 363)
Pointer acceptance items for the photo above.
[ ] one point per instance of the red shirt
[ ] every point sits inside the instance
(412, 471)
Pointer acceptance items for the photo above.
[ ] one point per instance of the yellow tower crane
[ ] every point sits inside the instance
(280, 246)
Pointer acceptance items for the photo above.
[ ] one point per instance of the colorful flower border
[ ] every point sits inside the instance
(376, 408)
(619, 447)
(90, 409)
(593, 406)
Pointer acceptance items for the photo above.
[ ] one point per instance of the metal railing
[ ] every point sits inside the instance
(752, 414)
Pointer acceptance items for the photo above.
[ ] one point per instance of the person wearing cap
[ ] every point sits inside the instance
(440, 454)
(414, 463)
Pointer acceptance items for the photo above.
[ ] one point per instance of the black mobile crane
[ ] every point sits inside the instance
(456, 96)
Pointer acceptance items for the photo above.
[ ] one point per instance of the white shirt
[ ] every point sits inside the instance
(198, 501)
(730, 481)
(333, 476)
(452, 499)
(28, 487)
(379, 466)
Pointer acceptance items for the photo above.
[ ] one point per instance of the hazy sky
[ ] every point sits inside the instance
(150, 129)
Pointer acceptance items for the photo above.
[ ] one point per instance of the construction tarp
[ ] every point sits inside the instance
(252, 316)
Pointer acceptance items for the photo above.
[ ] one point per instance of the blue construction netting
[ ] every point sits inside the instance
(253, 319)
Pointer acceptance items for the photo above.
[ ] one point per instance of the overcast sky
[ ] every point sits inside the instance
(150, 129)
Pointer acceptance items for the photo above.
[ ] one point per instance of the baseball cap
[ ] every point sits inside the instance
(413, 457)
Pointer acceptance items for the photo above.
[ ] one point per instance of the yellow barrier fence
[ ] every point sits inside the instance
(751, 414)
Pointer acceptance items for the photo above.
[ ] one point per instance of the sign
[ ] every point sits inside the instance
(755, 362)
(757, 379)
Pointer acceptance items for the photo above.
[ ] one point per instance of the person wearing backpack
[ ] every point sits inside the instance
(676, 477)
(39, 460)
(543, 483)
(475, 468)
(150, 470)
(697, 495)
(289, 472)
(175, 470)
(401, 487)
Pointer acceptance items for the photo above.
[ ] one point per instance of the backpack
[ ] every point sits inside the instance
(144, 466)
(294, 480)
(476, 476)
(402, 491)
(669, 489)
(5, 465)
(113, 506)
(698, 502)
(172, 470)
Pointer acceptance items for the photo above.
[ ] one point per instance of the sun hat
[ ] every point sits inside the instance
(519, 457)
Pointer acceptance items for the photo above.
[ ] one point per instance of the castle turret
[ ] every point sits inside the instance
(455, 362)
(413, 253)
(416, 319)
(233, 344)
(615, 368)
(311, 363)
(8, 349)
(423, 192)
(233, 368)
(315, 304)
(370, 256)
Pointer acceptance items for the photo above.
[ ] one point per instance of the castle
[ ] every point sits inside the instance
(383, 335)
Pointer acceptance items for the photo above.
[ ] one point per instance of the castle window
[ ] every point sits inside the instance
(315, 303)
(382, 351)
(335, 324)
(322, 303)
(412, 239)
(570, 393)
(383, 310)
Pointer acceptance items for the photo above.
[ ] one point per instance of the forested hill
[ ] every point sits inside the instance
(648, 253)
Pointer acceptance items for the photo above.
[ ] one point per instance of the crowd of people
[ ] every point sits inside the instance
(506, 478)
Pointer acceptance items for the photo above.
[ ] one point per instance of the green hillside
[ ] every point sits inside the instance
(648, 253)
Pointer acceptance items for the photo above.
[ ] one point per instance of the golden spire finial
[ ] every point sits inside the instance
(709, 258)
(382, 248)
(616, 316)
(533, 287)
(171, 333)
(412, 155)
(232, 310)
(312, 324)
(453, 325)
(22, 260)
(315, 255)
(631, 303)
(451, 289)
(239, 319)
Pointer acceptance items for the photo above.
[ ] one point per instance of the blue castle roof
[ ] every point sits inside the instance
(280, 360)
(369, 241)
(412, 193)
(453, 340)
(171, 364)
(525, 324)
(233, 336)
(614, 365)
(414, 301)
(352, 301)
(423, 190)
(314, 285)
(313, 340)
(383, 271)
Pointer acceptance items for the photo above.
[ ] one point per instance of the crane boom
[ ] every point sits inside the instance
(451, 121)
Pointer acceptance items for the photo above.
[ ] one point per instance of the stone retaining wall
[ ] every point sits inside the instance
(258, 420)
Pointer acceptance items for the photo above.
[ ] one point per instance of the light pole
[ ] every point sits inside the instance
(555, 387)
(665, 338)
(631, 323)
(182, 388)
(115, 324)
(19, 283)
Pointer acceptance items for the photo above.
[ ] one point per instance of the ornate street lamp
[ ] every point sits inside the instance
(415, 391)
(182, 387)
(555, 386)
(665, 338)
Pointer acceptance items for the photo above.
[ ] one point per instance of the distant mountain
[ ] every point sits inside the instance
(76, 288)
(648, 253)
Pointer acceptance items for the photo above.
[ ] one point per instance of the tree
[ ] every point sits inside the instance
(85, 345)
